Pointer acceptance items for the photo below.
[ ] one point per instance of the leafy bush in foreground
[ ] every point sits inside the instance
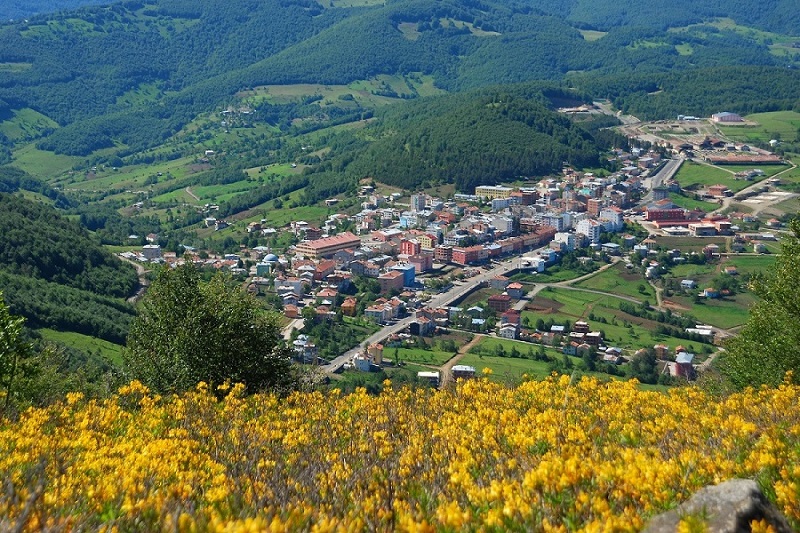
(550, 455)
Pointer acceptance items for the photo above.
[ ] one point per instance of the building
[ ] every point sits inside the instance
(418, 202)
(421, 262)
(591, 228)
(407, 270)
(328, 246)
(151, 252)
(463, 372)
(491, 192)
(499, 303)
(726, 117)
(392, 280)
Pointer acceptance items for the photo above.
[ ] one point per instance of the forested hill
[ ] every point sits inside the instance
(55, 275)
(476, 138)
(20, 9)
(129, 75)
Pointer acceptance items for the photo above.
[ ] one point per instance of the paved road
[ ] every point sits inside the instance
(440, 300)
(665, 173)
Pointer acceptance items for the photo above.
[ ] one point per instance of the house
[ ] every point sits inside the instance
(499, 303)
(432, 378)
(512, 316)
(683, 366)
(349, 306)
(515, 290)
(508, 331)
(498, 283)
(392, 280)
(688, 284)
(710, 292)
(422, 326)
(463, 372)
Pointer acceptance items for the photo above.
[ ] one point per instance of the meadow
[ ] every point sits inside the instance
(772, 125)
(545, 456)
(602, 313)
(619, 280)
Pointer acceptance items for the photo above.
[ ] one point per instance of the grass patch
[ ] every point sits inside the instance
(26, 125)
(688, 202)
(108, 350)
(418, 355)
(41, 164)
(690, 244)
(592, 35)
(618, 280)
(772, 125)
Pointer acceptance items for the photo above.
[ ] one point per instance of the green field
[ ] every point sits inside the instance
(750, 264)
(692, 173)
(622, 330)
(688, 202)
(41, 164)
(492, 345)
(775, 125)
(418, 355)
(618, 280)
(506, 368)
(722, 313)
(110, 351)
(26, 124)
(691, 244)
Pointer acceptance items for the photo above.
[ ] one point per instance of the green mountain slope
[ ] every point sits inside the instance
(128, 76)
(481, 137)
(52, 273)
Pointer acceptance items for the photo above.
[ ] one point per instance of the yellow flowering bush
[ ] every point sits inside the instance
(543, 456)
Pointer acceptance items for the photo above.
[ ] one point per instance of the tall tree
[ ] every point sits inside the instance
(12, 349)
(188, 331)
(769, 344)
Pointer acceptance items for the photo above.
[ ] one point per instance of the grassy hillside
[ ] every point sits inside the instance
(543, 456)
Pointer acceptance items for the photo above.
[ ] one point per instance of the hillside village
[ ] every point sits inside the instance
(384, 263)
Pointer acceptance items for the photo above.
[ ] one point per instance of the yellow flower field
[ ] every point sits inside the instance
(543, 456)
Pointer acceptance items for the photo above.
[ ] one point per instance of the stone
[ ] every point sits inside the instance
(729, 507)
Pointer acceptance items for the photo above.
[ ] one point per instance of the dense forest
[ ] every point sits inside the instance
(17, 9)
(129, 75)
(478, 138)
(55, 275)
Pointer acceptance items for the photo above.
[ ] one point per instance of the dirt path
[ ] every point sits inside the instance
(446, 369)
(193, 195)
(143, 281)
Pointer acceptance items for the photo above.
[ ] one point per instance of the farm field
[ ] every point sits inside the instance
(492, 346)
(602, 313)
(695, 175)
(772, 125)
(618, 280)
(418, 355)
(688, 202)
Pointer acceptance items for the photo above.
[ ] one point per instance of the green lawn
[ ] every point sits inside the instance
(418, 355)
(695, 175)
(491, 346)
(507, 368)
(618, 280)
(41, 164)
(777, 124)
(749, 264)
(689, 202)
(691, 244)
(602, 312)
(84, 343)
(726, 314)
